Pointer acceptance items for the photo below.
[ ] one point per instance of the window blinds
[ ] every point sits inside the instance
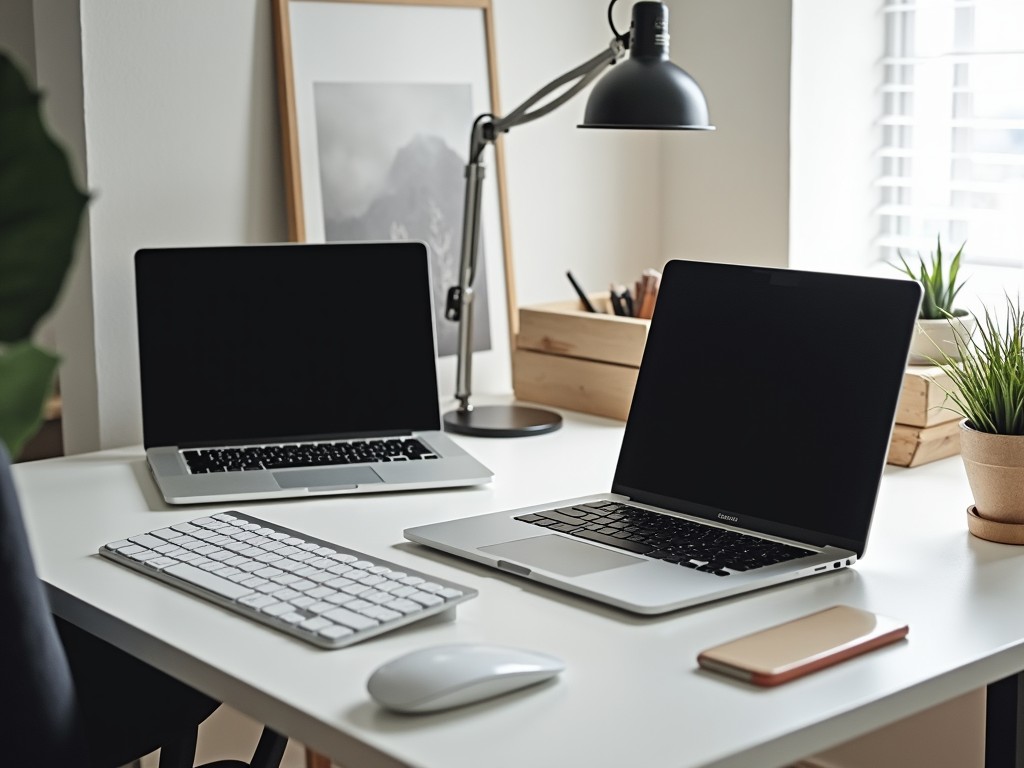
(952, 129)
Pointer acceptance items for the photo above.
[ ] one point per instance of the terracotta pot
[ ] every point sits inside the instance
(936, 339)
(995, 471)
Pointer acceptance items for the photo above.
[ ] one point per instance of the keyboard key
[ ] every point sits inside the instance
(425, 598)
(276, 609)
(404, 606)
(335, 632)
(603, 538)
(147, 541)
(316, 624)
(210, 581)
(380, 613)
(349, 619)
(256, 600)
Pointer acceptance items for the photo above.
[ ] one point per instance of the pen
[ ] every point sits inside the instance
(618, 302)
(581, 293)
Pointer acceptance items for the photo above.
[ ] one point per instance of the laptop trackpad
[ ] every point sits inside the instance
(326, 477)
(560, 555)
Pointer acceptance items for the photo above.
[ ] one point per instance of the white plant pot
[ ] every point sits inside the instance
(936, 339)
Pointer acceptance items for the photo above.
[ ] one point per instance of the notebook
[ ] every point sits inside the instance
(274, 371)
(753, 450)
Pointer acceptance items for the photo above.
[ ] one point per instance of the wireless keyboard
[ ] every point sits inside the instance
(324, 593)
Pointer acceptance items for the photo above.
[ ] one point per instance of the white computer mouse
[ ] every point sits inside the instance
(445, 676)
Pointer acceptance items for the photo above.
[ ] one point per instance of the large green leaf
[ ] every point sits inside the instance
(26, 381)
(40, 209)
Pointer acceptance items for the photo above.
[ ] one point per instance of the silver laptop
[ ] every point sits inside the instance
(753, 450)
(273, 371)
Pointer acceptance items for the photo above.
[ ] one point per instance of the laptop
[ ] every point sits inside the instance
(753, 450)
(276, 371)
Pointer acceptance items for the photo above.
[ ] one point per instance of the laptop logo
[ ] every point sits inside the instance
(730, 518)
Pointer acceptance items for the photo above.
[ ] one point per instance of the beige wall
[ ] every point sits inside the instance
(725, 195)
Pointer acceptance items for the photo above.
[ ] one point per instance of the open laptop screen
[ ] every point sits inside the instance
(766, 398)
(255, 343)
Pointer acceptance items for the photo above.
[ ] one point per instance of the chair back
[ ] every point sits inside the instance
(41, 726)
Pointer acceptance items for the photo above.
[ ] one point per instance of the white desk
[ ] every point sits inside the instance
(632, 693)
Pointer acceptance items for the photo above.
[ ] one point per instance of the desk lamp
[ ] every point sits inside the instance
(647, 91)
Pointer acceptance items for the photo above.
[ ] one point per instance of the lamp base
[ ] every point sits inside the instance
(502, 421)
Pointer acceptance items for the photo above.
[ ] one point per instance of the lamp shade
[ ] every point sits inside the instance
(647, 91)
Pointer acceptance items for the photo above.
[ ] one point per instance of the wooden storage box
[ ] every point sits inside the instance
(923, 396)
(925, 430)
(912, 446)
(570, 358)
(584, 361)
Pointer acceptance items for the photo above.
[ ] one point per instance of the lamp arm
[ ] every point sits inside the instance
(486, 129)
(584, 73)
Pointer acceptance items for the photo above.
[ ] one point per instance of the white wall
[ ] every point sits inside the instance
(837, 46)
(182, 148)
(181, 145)
(17, 35)
(725, 195)
(583, 200)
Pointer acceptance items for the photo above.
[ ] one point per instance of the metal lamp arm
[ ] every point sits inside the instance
(486, 129)
(585, 73)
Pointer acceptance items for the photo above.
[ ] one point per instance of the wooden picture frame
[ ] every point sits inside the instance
(377, 100)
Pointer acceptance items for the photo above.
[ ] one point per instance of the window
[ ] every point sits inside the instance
(952, 155)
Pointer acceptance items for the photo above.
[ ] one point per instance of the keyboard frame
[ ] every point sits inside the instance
(357, 636)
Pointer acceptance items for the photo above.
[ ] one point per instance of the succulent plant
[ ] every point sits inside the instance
(940, 285)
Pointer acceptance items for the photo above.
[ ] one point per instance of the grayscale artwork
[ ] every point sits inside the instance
(392, 160)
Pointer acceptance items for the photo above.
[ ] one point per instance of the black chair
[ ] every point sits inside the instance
(75, 701)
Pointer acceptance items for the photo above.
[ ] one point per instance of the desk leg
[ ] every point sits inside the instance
(316, 760)
(1004, 737)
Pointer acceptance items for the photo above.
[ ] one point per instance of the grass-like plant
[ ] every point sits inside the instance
(988, 380)
(940, 285)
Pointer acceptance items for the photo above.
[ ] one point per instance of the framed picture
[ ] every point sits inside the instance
(378, 99)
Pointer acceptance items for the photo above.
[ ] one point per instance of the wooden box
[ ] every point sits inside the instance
(912, 446)
(923, 396)
(570, 358)
(925, 430)
(583, 361)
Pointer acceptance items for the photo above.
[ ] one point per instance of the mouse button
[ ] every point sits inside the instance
(399, 686)
(487, 687)
(416, 676)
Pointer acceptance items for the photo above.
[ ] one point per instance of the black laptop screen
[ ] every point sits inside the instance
(766, 398)
(285, 341)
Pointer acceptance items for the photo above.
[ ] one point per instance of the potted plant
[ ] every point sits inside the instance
(40, 209)
(939, 322)
(987, 390)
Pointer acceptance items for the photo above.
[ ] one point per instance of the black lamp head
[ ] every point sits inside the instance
(647, 91)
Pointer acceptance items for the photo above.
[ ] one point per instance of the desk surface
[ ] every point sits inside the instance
(631, 694)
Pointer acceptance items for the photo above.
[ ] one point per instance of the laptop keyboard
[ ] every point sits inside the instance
(704, 548)
(286, 456)
(324, 593)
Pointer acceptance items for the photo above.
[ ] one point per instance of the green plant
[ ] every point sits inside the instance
(988, 380)
(40, 210)
(940, 285)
